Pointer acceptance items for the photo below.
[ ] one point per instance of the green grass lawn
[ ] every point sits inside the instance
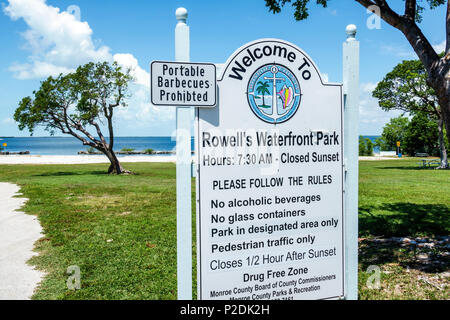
(121, 230)
(397, 198)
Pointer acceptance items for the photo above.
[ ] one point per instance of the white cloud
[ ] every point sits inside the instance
(37, 69)
(368, 87)
(406, 52)
(58, 43)
(8, 121)
(371, 117)
(333, 12)
(57, 40)
(440, 47)
(141, 111)
(401, 51)
(128, 60)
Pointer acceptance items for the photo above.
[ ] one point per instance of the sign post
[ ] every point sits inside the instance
(351, 119)
(183, 85)
(184, 158)
(399, 153)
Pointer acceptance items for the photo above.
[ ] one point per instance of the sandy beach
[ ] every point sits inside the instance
(84, 159)
(79, 159)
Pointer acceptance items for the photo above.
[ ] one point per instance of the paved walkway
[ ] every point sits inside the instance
(18, 233)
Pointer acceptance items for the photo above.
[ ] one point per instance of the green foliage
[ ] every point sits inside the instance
(90, 150)
(405, 88)
(127, 150)
(393, 131)
(68, 103)
(78, 104)
(369, 147)
(263, 88)
(149, 151)
(301, 7)
(421, 136)
(365, 146)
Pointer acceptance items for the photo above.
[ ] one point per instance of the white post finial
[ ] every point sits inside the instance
(181, 14)
(351, 32)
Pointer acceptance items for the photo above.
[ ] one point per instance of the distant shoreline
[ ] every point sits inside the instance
(87, 159)
(80, 159)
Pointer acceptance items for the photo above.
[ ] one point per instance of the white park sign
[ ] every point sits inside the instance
(270, 208)
(271, 171)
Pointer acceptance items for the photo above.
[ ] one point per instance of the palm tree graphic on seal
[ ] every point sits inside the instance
(263, 88)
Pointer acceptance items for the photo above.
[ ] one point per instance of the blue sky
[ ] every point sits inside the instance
(39, 39)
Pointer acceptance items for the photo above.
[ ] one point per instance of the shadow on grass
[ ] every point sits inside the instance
(372, 253)
(404, 219)
(409, 168)
(62, 173)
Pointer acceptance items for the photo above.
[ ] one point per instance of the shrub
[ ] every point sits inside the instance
(91, 150)
(365, 147)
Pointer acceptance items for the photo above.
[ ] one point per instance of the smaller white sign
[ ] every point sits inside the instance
(183, 84)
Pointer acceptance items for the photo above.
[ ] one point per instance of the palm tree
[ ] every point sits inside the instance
(263, 89)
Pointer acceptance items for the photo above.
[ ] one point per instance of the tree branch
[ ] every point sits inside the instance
(387, 14)
(447, 48)
(421, 45)
(410, 9)
(59, 124)
(110, 127)
(95, 143)
(409, 28)
(99, 132)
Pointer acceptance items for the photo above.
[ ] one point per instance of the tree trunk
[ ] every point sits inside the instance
(115, 166)
(443, 93)
(437, 68)
(442, 148)
(439, 80)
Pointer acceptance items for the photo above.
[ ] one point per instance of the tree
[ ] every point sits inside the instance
(365, 146)
(263, 89)
(405, 88)
(393, 131)
(407, 22)
(421, 136)
(79, 102)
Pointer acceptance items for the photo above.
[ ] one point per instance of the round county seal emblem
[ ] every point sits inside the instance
(274, 93)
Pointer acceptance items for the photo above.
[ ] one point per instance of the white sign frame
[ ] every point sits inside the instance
(199, 171)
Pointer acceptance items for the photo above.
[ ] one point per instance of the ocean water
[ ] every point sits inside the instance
(71, 146)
